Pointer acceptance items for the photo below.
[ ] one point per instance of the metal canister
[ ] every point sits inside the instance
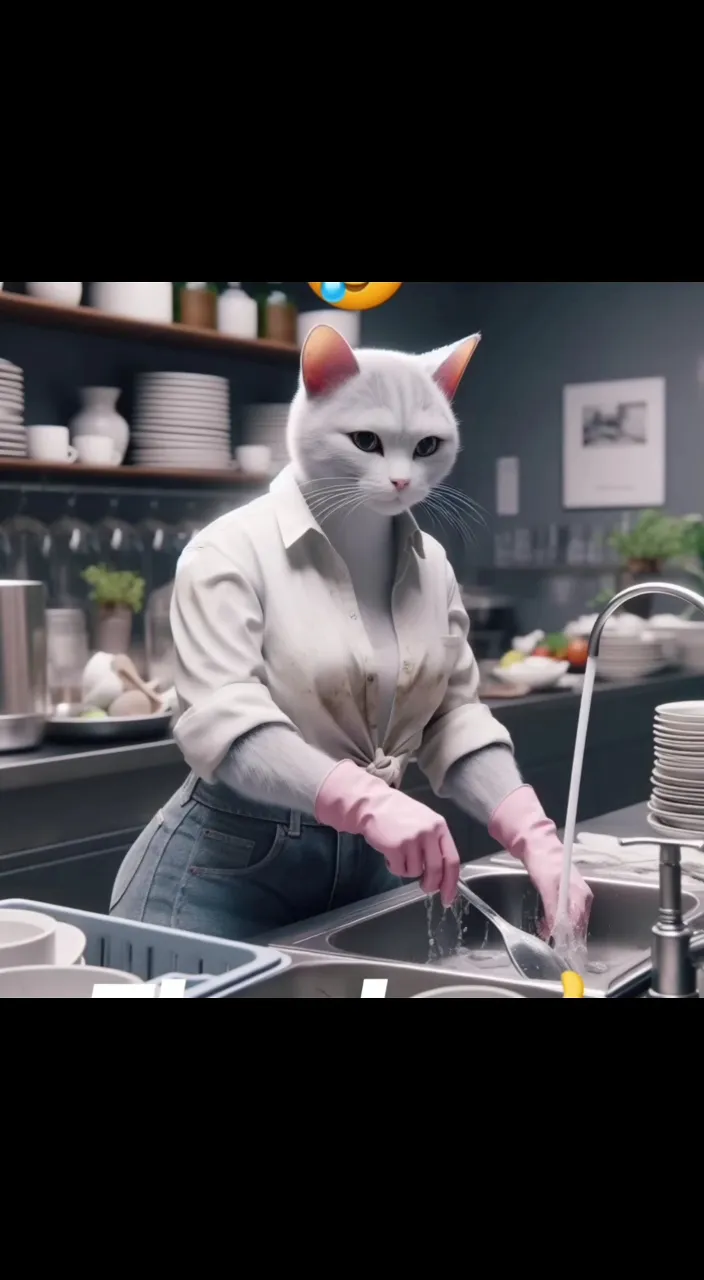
(23, 665)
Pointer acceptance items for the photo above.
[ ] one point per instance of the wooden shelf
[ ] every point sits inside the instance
(21, 310)
(17, 468)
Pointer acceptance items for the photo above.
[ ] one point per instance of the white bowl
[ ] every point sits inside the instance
(469, 993)
(533, 677)
(26, 938)
(44, 983)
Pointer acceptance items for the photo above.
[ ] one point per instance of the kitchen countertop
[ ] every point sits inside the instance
(61, 763)
(552, 697)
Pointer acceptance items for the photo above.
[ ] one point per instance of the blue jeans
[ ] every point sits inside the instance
(213, 863)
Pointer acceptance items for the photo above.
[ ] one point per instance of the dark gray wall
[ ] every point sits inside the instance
(539, 336)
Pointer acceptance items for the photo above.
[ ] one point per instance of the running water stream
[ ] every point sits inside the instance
(585, 707)
(571, 949)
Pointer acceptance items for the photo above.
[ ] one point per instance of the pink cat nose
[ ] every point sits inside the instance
(401, 484)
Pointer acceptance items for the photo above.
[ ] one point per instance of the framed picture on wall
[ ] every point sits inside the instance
(614, 444)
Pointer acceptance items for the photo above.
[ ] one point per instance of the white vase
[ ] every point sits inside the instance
(68, 292)
(150, 300)
(99, 417)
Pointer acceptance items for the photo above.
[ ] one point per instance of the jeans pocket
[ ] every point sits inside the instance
(231, 845)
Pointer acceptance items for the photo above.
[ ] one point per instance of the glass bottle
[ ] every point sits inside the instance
(198, 305)
(280, 318)
(238, 314)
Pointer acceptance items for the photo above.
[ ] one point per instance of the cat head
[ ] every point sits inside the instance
(381, 420)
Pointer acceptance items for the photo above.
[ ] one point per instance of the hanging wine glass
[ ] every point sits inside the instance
(120, 546)
(74, 548)
(160, 542)
(30, 547)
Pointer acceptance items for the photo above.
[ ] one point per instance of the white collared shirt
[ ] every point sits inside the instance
(267, 630)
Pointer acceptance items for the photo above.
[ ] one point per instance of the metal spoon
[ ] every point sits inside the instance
(531, 957)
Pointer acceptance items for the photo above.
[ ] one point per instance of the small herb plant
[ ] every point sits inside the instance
(112, 589)
(693, 538)
(654, 537)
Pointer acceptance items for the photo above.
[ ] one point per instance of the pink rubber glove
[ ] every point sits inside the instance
(521, 826)
(415, 841)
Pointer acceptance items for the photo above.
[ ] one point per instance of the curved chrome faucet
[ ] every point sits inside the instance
(676, 954)
(631, 593)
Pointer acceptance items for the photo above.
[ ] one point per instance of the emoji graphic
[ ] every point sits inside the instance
(355, 295)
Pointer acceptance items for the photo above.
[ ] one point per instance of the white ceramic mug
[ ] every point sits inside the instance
(469, 993)
(26, 938)
(98, 451)
(40, 983)
(68, 292)
(348, 323)
(50, 444)
(254, 459)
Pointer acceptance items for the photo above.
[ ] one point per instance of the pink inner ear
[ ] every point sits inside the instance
(327, 362)
(453, 369)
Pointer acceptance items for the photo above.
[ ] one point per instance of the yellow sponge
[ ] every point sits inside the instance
(573, 986)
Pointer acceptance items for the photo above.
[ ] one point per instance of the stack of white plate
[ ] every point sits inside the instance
(265, 425)
(629, 657)
(13, 437)
(182, 420)
(677, 801)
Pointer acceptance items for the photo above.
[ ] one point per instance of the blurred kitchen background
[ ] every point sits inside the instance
(133, 413)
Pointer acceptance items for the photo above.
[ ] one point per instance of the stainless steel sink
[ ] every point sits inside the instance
(402, 927)
(313, 977)
(414, 933)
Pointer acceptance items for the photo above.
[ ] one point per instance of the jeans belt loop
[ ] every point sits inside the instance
(294, 824)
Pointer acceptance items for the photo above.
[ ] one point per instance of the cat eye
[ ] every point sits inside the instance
(427, 447)
(367, 441)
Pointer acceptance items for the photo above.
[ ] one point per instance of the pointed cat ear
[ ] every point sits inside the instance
(452, 368)
(327, 362)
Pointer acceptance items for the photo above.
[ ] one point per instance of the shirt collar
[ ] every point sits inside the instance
(296, 519)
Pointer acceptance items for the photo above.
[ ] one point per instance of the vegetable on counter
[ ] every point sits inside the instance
(577, 653)
(559, 647)
(511, 658)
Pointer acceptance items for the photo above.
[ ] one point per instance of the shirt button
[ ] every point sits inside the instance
(370, 679)
(353, 617)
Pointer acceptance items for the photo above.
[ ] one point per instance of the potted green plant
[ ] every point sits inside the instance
(118, 596)
(644, 549)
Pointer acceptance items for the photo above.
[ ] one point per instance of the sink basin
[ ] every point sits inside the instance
(313, 978)
(416, 932)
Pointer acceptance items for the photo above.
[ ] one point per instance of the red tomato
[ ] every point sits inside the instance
(542, 651)
(577, 653)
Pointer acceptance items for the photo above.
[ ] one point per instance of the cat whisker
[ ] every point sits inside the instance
(472, 508)
(338, 479)
(332, 505)
(352, 504)
(454, 517)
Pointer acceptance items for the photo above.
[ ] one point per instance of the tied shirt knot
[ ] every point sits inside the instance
(388, 768)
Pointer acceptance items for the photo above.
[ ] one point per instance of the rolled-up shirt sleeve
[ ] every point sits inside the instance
(217, 624)
(462, 724)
